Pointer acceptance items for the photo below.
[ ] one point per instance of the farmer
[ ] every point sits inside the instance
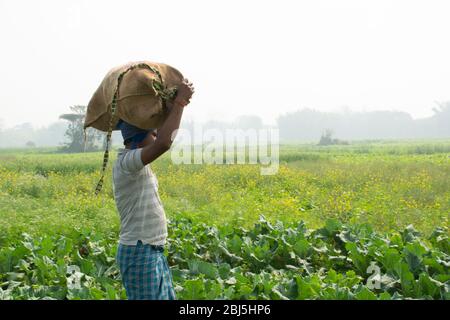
(143, 230)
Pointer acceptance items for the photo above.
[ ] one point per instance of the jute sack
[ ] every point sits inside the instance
(136, 93)
(140, 96)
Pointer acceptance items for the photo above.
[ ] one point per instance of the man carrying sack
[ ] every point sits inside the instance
(143, 231)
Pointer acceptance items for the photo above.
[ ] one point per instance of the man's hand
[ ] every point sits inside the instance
(184, 93)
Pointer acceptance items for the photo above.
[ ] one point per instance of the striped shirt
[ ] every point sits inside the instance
(135, 188)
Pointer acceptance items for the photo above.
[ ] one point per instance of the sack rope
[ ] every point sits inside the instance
(84, 140)
(161, 91)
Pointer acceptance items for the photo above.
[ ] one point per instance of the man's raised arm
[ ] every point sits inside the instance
(164, 139)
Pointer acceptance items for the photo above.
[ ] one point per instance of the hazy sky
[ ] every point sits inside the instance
(244, 57)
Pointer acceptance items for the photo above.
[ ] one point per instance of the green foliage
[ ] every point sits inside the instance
(360, 203)
(268, 264)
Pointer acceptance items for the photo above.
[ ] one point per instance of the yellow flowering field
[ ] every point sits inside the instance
(314, 230)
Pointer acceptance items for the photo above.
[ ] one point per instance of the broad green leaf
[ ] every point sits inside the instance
(193, 290)
(302, 247)
(365, 294)
(385, 296)
(429, 286)
(96, 294)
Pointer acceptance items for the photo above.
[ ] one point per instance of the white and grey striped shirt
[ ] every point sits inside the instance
(135, 188)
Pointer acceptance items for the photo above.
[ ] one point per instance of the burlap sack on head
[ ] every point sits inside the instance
(138, 103)
(136, 93)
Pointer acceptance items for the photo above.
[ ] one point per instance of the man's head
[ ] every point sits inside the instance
(134, 137)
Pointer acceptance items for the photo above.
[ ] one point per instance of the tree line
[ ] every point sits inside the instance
(305, 125)
(308, 124)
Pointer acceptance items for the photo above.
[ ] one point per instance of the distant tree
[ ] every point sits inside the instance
(30, 144)
(75, 132)
(327, 139)
(308, 124)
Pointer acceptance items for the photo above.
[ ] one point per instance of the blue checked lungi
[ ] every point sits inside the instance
(145, 272)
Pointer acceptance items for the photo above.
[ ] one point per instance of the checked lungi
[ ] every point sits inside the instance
(145, 272)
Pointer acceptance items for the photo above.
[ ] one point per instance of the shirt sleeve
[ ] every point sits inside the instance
(132, 161)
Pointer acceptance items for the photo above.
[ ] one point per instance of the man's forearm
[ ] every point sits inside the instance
(164, 139)
(171, 124)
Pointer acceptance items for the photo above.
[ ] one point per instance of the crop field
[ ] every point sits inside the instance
(362, 221)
